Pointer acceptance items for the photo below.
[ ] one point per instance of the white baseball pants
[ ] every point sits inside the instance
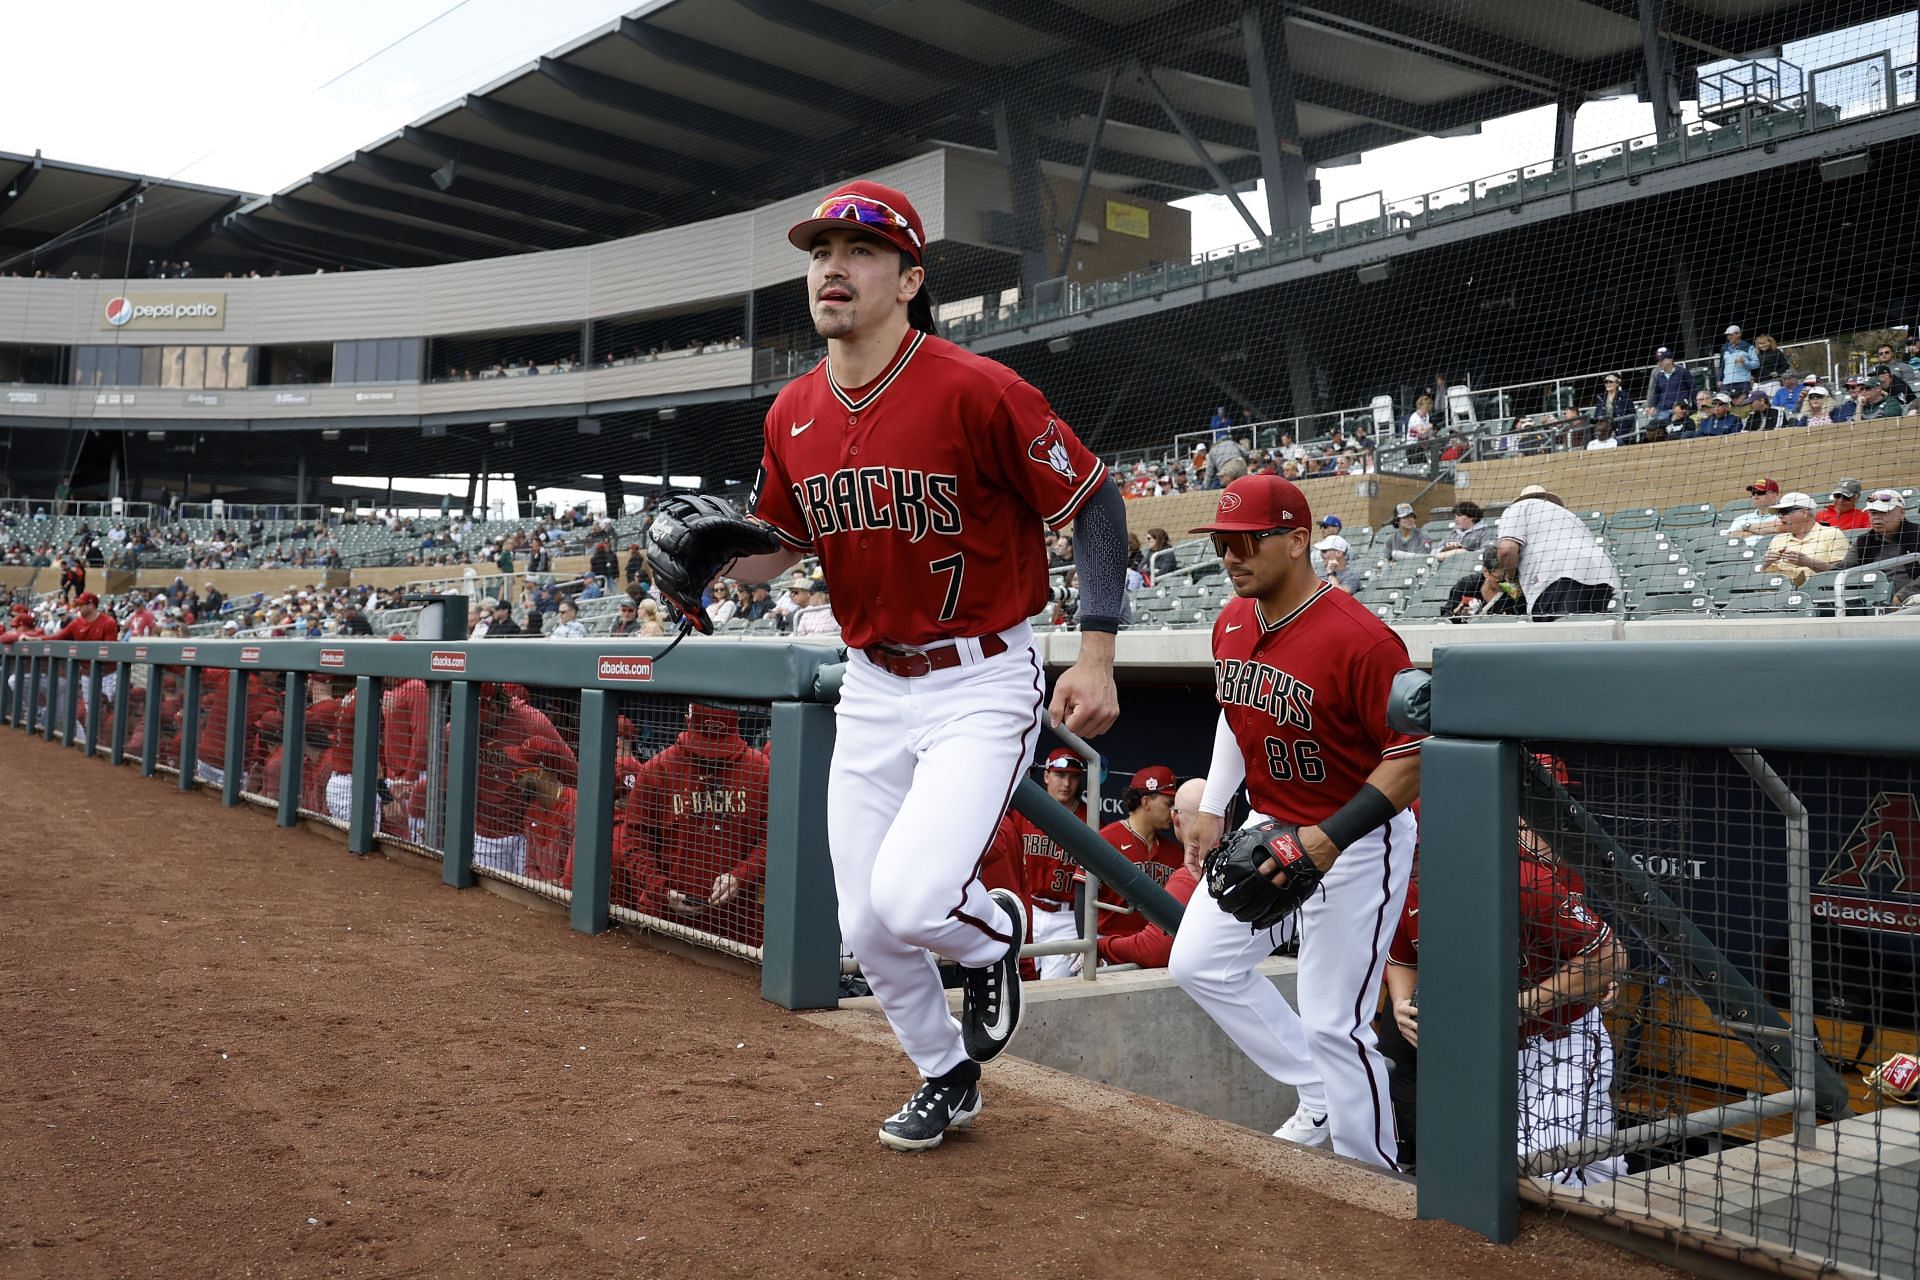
(922, 771)
(1055, 926)
(501, 853)
(340, 798)
(1566, 1095)
(1327, 1051)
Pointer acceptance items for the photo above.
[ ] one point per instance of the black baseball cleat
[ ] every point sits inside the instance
(990, 1012)
(945, 1102)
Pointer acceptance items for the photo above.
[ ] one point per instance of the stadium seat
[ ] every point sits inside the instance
(1759, 602)
(1594, 520)
(1763, 584)
(1737, 552)
(1671, 602)
(1669, 580)
(1865, 593)
(1653, 561)
(1638, 518)
(1690, 516)
(1628, 541)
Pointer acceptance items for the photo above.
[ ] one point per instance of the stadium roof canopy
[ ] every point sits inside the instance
(70, 217)
(690, 109)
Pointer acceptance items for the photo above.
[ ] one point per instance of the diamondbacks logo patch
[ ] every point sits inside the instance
(1229, 503)
(1048, 447)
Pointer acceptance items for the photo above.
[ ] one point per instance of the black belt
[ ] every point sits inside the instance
(913, 663)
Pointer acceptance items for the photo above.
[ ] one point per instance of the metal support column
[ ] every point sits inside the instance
(35, 691)
(1683, 301)
(1013, 137)
(593, 812)
(233, 759)
(1469, 984)
(96, 679)
(463, 757)
(293, 752)
(150, 730)
(364, 819)
(122, 700)
(68, 693)
(1200, 152)
(1276, 121)
(9, 664)
(1071, 231)
(800, 964)
(189, 726)
(1806, 1036)
(1657, 66)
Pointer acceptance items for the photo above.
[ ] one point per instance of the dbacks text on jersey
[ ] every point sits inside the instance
(863, 498)
(1266, 689)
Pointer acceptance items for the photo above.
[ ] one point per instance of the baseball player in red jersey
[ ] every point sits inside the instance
(1150, 946)
(91, 622)
(1042, 872)
(1302, 673)
(1569, 958)
(543, 774)
(925, 478)
(692, 840)
(1145, 837)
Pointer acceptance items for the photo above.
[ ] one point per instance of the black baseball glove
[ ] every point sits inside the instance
(1233, 876)
(692, 538)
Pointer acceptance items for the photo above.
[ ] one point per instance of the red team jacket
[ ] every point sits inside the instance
(1306, 699)
(1148, 946)
(696, 811)
(923, 533)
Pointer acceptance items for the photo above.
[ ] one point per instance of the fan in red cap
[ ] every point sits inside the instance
(1145, 837)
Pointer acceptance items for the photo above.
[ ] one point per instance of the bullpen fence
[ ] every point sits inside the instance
(684, 797)
(1680, 889)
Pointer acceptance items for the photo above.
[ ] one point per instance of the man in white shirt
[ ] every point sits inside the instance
(1560, 566)
(1602, 437)
(1752, 525)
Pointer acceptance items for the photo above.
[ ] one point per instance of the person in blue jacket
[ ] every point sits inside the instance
(1738, 360)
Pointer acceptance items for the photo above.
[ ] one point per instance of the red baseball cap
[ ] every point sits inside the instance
(1768, 485)
(541, 753)
(1156, 778)
(1256, 504)
(85, 598)
(884, 211)
(1065, 761)
(702, 718)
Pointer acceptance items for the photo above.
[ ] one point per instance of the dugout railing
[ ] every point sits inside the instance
(1669, 937)
(514, 761)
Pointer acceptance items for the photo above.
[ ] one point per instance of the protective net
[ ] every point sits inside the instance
(1422, 258)
(1719, 955)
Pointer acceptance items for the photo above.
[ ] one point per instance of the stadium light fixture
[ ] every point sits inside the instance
(433, 431)
(1374, 273)
(156, 437)
(444, 176)
(497, 428)
(330, 434)
(1061, 345)
(669, 413)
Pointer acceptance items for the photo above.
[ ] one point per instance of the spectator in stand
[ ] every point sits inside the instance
(1719, 420)
(1333, 564)
(798, 596)
(1849, 406)
(604, 562)
(1738, 360)
(1876, 402)
(1489, 591)
(652, 620)
(1760, 521)
(760, 605)
(1602, 438)
(501, 623)
(1420, 429)
(1220, 424)
(1787, 397)
(1844, 512)
(1669, 384)
(569, 627)
(1469, 532)
(817, 618)
(1890, 534)
(1161, 557)
(1772, 364)
(722, 603)
(1553, 556)
(1888, 376)
(1060, 552)
(1806, 547)
(1912, 375)
(636, 563)
(1817, 408)
(1226, 462)
(1762, 415)
(1407, 541)
(628, 623)
(1151, 946)
(1613, 406)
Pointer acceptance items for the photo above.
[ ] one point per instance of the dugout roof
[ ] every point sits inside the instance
(688, 109)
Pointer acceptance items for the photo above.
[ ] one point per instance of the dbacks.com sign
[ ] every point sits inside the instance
(165, 311)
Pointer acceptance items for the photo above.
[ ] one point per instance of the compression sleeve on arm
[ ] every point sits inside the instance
(1227, 771)
(1100, 558)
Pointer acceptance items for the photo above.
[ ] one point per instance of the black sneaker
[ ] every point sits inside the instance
(946, 1102)
(990, 1013)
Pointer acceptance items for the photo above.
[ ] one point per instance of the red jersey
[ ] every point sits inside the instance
(1160, 861)
(214, 683)
(1149, 946)
(1045, 875)
(501, 807)
(403, 725)
(1838, 519)
(1306, 698)
(924, 492)
(550, 837)
(103, 627)
(697, 811)
(1556, 926)
(334, 717)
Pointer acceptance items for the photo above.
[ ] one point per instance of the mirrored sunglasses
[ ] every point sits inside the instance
(1243, 545)
(867, 210)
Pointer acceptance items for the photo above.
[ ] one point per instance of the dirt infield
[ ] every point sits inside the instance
(232, 1050)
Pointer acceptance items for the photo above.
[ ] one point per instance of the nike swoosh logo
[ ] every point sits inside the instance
(1233, 627)
(798, 427)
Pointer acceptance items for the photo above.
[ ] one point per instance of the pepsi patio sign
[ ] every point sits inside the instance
(164, 311)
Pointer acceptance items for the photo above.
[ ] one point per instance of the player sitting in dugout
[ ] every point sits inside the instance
(1571, 961)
